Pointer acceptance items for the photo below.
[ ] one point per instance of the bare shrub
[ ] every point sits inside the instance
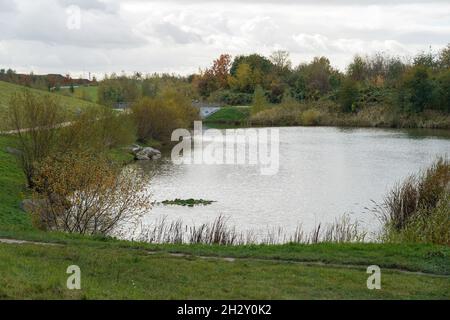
(39, 122)
(34, 119)
(86, 194)
(97, 129)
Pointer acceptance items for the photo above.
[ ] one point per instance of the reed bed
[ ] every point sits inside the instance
(219, 232)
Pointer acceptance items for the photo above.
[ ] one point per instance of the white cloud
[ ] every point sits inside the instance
(182, 36)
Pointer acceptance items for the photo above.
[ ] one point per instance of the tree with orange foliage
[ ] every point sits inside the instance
(221, 70)
(215, 77)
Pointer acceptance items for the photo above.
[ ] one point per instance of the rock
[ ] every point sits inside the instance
(141, 156)
(146, 153)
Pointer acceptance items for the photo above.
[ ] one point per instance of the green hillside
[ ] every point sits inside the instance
(83, 92)
(8, 89)
(230, 115)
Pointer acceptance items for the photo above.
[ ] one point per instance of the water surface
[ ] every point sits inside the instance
(324, 173)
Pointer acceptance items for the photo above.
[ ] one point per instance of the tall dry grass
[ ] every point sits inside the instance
(219, 232)
(418, 209)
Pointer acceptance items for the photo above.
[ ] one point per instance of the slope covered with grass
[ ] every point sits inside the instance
(88, 93)
(7, 90)
(229, 115)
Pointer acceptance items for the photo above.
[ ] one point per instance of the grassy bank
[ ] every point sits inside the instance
(88, 93)
(7, 90)
(230, 115)
(115, 269)
(327, 113)
(33, 271)
(12, 189)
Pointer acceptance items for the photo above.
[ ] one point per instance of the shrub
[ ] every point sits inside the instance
(259, 102)
(99, 130)
(42, 129)
(310, 117)
(85, 193)
(231, 98)
(157, 117)
(35, 119)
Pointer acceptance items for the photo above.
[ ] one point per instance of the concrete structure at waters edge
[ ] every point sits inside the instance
(206, 109)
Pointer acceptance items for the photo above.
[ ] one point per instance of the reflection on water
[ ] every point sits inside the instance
(324, 173)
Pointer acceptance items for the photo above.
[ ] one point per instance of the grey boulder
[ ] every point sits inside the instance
(145, 153)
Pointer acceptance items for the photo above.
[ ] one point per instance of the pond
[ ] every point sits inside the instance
(324, 173)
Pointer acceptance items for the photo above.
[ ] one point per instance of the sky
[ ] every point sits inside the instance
(181, 36)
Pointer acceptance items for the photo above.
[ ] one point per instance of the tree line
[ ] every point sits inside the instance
(409, 84)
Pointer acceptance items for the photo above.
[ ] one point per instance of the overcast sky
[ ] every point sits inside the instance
(182, 36)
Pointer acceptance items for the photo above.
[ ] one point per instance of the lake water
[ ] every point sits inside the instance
(324, 172)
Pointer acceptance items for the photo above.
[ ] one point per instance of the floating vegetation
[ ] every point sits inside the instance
(188, 202)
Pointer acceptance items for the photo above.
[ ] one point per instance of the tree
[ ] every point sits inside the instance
(357, 69)
(317, 75)
(444, 57)
(281, 61)
(348, 95)
(255, 61)
(116, 89)
(443, 81)
(416, 89)
(259, 100)
(243, 81)
(426, 59)
(221, 70)
(215, 77)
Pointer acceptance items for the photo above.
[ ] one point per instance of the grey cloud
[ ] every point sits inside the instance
(175, 33)
(109, 7)
(7, 6)
(47, 22)
(182, 35)
(306, 2)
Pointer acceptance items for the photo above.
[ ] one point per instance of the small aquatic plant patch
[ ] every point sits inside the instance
(187, 202)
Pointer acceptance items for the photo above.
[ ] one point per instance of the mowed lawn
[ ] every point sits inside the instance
(229, 115)
(7, 90)
(39, 272)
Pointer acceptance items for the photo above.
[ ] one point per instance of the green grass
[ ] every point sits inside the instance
(39, 272)
(12, 187)
(8, 89)
(229, 115)
(86, 92)
(121, 156)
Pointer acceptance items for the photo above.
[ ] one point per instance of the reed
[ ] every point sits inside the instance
(219, 232)
(418, 209)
